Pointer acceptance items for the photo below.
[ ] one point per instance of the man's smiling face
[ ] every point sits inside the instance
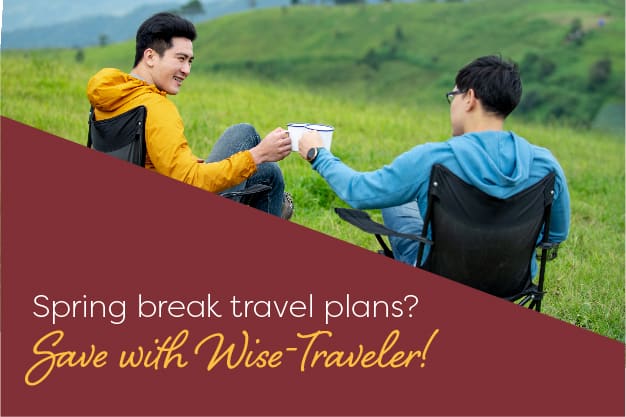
(169, 71)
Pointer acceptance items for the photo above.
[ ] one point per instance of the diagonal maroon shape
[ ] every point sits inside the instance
(80, 226)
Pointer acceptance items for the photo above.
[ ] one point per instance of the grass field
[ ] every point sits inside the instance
(585, 283)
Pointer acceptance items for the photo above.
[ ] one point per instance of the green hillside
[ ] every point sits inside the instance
(409, 52)
(379, 117)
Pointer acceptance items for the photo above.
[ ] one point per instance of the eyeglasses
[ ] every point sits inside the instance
(451, 94)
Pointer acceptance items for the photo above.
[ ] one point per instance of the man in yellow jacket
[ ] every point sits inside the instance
(163, 58)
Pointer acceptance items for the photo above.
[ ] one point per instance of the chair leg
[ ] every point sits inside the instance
(386, 251)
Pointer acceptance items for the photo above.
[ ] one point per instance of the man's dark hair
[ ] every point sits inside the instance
(496, 83)
(157, 33)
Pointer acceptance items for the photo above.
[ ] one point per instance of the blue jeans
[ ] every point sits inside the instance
(404, 219)
(241, 137)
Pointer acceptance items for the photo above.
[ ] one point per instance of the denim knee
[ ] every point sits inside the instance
(242, 131)
(236, 138)
(405, 218)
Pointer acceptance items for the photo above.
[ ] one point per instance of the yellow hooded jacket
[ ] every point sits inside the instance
(112, 92)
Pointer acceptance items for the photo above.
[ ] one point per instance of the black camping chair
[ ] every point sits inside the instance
(124, 137)
(479, 240)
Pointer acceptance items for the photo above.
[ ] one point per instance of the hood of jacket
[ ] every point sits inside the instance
(110, 89)
(494, 161)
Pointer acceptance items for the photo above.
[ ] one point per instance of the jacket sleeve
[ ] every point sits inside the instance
(394, 184)
(168, 153)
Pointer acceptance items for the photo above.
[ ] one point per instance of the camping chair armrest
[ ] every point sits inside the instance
(363, 221)
(247, 195)
(551, 249)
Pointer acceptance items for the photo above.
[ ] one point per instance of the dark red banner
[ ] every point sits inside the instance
(127, 293)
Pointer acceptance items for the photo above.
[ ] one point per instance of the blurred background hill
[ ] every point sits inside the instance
(79, 23)
(25, 14)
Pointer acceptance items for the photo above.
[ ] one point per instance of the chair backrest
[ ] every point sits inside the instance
(483, 241)
(122, 136)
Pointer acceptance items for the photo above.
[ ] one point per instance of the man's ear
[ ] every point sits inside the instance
(470, 100)
(148, 56)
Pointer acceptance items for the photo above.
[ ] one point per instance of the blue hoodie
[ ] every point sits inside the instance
(499, 163)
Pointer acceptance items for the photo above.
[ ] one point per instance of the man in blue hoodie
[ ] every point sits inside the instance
(480, 152)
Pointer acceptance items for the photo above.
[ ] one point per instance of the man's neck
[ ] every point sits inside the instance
(483, 123)
(140, 73)
(135, 75)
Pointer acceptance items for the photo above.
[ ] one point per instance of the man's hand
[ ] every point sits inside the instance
(275, 147)
(309, 139)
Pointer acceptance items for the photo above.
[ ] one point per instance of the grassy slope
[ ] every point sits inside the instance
(586, 283)
(321, 46)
